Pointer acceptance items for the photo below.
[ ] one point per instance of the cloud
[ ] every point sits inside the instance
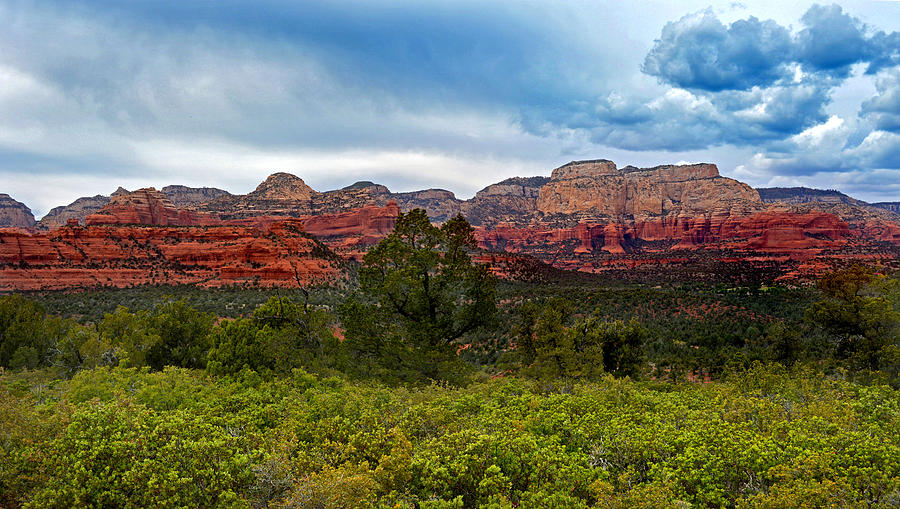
(756, 84)
(880, 149)
(883, 110)
(223, 93)
(832, 41)
(686, 120)
(699, 52)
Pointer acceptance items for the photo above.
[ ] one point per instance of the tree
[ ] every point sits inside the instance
(129, 334)
(23, 343)
(280, 336)
(622, 345)
(860, 308)
(553, 344)
(183, 335)
(419, 292)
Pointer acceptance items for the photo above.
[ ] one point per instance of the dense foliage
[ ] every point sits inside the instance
(429, 386)
(770, 437)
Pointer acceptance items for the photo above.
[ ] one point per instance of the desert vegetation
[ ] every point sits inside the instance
(427, 383)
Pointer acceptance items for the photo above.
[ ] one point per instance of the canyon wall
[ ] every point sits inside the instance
(113, 255)
(588, 215)
(148, 207)
(598, 188)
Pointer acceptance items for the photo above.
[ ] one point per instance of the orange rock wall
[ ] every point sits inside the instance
(761, 232)
(124, 256)
(148, 207)
(598, 188)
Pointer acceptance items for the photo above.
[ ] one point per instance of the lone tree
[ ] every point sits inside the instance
(419, 292)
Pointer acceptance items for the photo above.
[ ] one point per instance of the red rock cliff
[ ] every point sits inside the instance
(133, 255)
(148, 207)
(598, 188)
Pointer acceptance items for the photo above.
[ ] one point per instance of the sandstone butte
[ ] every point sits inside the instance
(588, 215)
(595, 207)
(148, 207)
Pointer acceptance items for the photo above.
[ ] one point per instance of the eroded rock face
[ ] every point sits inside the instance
(147, 207)
(283, 186)
(14, 214)
(777, 243)
(350, 234)
(186, 197)
(511, 200)
(588, 216)
(891, 206)
(281, 194)
(77, 210)
(440, 204)
(120, 256)
(598, 189)
(767, 231)
(590, 169)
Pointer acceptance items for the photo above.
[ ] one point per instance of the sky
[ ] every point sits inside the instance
(456, 95)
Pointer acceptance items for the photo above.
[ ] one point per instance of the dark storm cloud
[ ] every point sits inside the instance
(424, 53)
(699, 52)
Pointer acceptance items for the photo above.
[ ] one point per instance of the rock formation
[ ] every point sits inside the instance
(184, 197)
(588, 216)
(598, 189)
(77, 210)
(891, 206)
(440, 204)
(281, 194)
(351, 233)
(283, 186)
(508, 201)
(805, 195)
(112, 255)
(147, 207)
(14, 214)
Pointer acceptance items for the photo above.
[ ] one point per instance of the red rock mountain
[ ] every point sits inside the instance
(598, 188)
(78, 210)
(588, 215)
(184, 196)
(148, 207)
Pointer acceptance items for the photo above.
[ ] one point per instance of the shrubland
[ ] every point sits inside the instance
(429, 384)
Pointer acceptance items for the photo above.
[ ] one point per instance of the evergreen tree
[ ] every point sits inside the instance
(419, 294)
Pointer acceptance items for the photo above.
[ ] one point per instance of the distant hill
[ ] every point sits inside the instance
(893, 206)
(805, 195)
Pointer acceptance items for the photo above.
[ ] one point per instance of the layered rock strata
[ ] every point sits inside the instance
(148, 207)
(509, 201)
(598, 188)
(120, 256)
(77, 210)
(588, 215)
(184, 196)
(14, 214)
